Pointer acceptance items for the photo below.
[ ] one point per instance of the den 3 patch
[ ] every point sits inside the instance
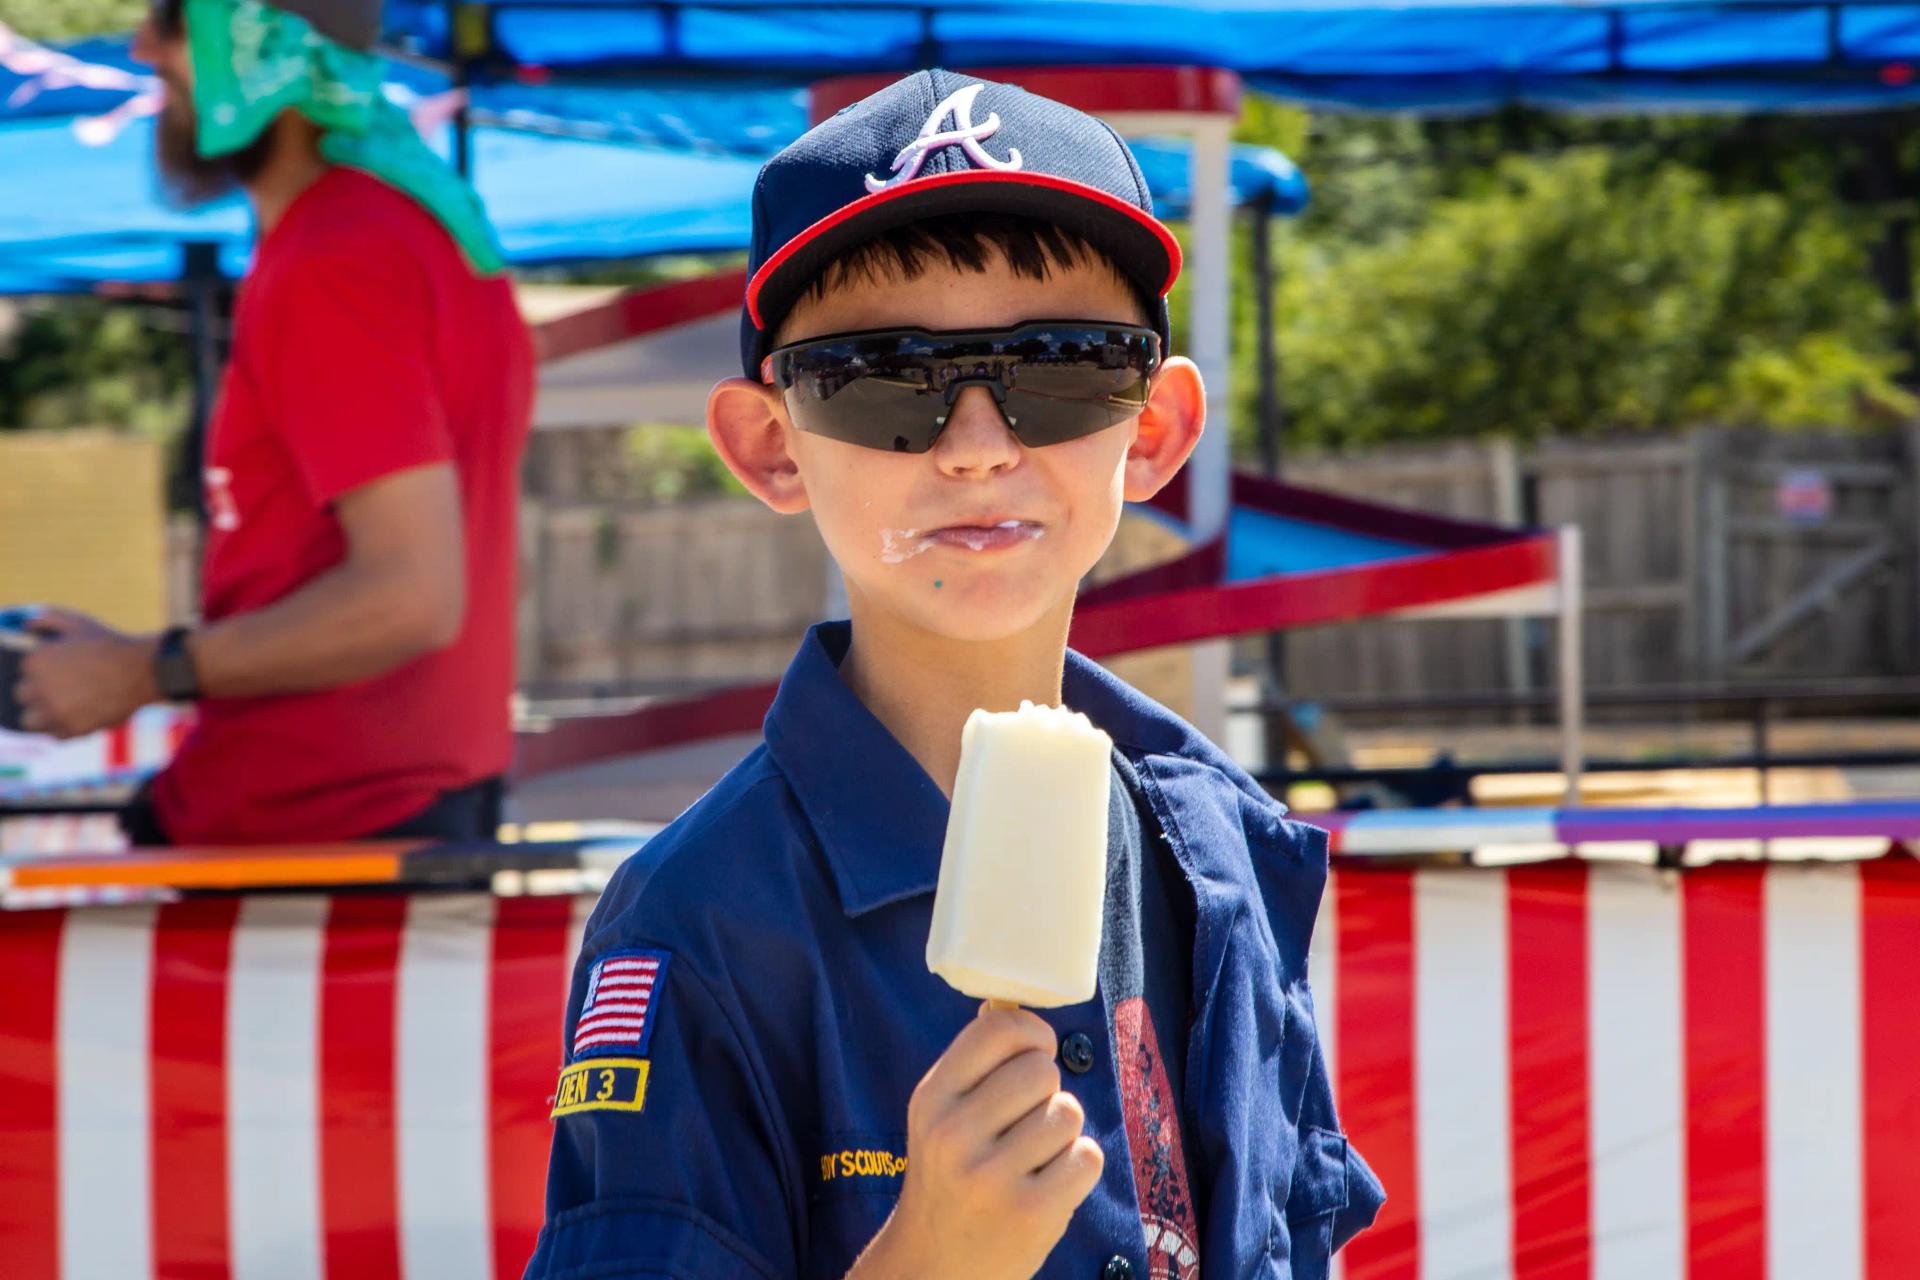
(608, 1068)
(602, 1084)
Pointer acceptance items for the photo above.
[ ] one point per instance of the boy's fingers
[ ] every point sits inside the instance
(986, 1042)
(1042, 1135)
(1069, 1176)
(1010, 1091)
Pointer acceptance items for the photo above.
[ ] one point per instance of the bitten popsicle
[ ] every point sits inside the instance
(1023, 874)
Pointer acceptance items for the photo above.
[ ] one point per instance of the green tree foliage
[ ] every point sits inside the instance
(1570, 297)
(91, 362)
(66, 19)
(1588, 289)
(678, 464)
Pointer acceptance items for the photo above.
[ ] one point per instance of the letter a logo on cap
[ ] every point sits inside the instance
(965, 134)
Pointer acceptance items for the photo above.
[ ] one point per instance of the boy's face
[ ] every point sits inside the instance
(979, 538)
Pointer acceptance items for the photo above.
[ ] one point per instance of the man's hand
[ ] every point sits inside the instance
(996, 1161)
(84, 676)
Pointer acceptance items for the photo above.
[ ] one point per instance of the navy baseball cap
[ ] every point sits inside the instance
(937, 143)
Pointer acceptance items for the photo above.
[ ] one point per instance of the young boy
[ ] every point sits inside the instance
(955, 345)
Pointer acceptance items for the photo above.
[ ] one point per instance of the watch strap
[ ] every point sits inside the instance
(173, 671)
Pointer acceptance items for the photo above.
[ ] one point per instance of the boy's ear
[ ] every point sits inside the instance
(748, 426)
(1167, 430)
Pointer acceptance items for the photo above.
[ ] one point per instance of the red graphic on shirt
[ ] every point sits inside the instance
(1153, 1138)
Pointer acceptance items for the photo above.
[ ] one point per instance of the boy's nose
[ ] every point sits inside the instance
(976, 440)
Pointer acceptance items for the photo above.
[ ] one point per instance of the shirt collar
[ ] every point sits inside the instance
(880, 819)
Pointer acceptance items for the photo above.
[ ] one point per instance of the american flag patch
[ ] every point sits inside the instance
(618, 1014)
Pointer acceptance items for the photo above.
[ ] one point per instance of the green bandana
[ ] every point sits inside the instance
(252, 61)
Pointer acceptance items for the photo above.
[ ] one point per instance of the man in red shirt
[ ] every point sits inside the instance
(355, 665)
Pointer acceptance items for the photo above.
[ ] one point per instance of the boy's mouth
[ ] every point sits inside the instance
(998, 535)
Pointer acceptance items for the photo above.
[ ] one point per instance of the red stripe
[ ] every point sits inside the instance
(192, 955)
(1547, 1014)
(531, 939)
(359, 1199)
(29, 1098)
(120, 746)
(1890, 1064)
(1373, 1041)
(1722, 926)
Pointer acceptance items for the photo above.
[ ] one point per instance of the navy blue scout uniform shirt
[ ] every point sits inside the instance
(758, 1010)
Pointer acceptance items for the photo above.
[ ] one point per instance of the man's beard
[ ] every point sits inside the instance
(189, 177)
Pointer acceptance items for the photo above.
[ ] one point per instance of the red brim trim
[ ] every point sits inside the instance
(918, 186)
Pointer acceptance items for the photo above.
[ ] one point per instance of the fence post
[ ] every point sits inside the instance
(1715, 557)
(1911, 435)
(1572, 625)
(1503, 462)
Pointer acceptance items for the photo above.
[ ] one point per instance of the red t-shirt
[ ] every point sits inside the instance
(363, 345)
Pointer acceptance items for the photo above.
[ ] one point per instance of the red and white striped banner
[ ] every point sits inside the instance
(1559, 1071)
(1583, 1070)
(290, 1087)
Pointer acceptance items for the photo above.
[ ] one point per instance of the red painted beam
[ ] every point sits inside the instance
(638, 312)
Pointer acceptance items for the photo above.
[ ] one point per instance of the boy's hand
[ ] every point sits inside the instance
(996, 1162)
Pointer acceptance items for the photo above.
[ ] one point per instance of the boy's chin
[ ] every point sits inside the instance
(970, 616)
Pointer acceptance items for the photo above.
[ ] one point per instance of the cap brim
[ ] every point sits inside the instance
(1138, 242)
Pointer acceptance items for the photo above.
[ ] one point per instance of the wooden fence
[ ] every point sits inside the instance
(1716, 556)
(1719, 555)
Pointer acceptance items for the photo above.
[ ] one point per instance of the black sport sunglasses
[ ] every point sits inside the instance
(893, 389)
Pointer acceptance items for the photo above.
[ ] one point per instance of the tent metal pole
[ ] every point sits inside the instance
(1261, 210)
(1269, 359)
(1210, 470)
(201, 281)
(467, 31)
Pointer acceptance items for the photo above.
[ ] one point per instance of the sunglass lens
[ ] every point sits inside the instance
(1051, 404)
(876, 413)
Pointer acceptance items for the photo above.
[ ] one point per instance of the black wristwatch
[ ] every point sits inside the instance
(173, 672)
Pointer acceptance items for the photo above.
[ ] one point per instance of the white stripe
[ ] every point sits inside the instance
(618, 963)
(442, 1098)
(581, 1046)
(1813, 1071)
(273, 1149)
(1460, 1074)
(583, 905)
(106, 967)
(1323, 977)
(1638, 1097)
(593, 1026)
(610, 1008)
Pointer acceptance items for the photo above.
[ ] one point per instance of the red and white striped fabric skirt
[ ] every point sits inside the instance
(1559, 1071)
(293, 1087)
(1583, 1070)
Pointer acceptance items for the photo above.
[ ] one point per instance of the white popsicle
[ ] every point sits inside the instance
(1023, 874)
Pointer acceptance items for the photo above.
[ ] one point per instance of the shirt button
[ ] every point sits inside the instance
(1117, 1268)
(1076, 1055)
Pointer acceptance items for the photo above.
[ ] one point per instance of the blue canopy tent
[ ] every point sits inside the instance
(569, 173)
(1432, 56)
